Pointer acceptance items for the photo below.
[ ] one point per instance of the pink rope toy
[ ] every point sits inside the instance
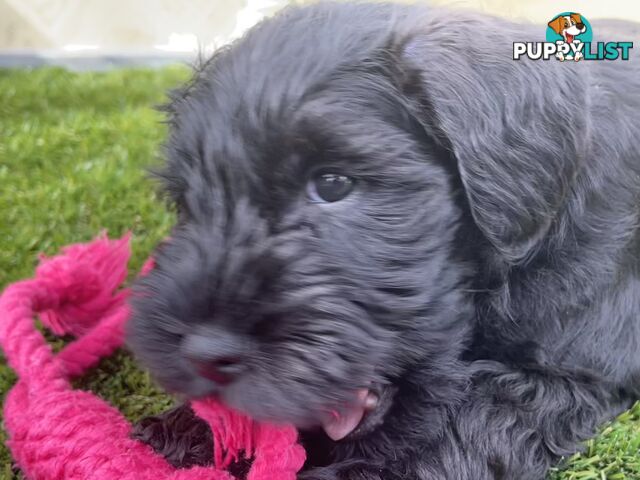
(58, 433)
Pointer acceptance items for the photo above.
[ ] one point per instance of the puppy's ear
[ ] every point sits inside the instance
(513, 126)
(577, 18)
(557, 24)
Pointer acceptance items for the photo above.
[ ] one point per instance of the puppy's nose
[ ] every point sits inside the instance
(216, 354)
(580, 25)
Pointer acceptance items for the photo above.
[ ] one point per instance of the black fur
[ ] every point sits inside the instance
(181, 437)
(483, 274)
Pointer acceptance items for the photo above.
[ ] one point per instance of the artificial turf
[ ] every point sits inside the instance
(74, 148)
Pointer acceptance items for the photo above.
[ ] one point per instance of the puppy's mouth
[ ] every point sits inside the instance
(360, 417)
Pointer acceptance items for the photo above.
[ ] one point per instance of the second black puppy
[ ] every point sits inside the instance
(421, 252)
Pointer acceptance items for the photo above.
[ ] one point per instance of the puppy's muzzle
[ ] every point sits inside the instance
(217, 355)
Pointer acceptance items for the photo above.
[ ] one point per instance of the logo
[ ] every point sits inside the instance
(569, 36)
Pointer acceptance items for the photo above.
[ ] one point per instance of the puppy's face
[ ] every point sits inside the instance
(313, 263)
(570, 25)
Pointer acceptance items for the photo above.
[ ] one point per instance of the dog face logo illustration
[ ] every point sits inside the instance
(569, 28)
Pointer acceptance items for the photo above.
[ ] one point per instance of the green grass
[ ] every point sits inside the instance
(73, 153)
(74, 149)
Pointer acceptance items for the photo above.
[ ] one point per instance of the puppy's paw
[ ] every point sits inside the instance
(181, 437)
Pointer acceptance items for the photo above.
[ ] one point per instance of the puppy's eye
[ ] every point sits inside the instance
(329, 187)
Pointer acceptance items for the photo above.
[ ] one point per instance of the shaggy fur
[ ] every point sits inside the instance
(482, 275)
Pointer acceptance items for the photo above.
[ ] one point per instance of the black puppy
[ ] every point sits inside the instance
(421, 252)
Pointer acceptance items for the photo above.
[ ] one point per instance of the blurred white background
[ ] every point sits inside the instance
(184, 26)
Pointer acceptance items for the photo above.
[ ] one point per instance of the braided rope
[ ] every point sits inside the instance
(57, 433)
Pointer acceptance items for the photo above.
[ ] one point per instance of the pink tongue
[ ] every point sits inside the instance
(340, 424)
